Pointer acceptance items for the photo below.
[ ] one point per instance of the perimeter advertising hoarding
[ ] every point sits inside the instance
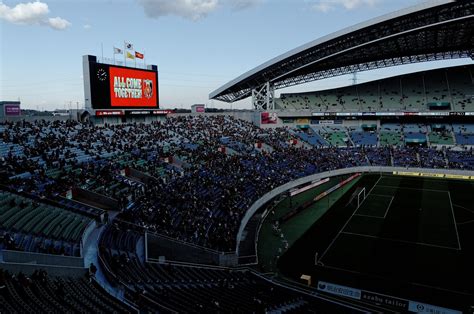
(200, 109)
(109, 113)
(302, 121)
(12, 110)
(393, 114)
(269, 118)
(117, 87)
(159, 112)
(148, 112)
(398, 304)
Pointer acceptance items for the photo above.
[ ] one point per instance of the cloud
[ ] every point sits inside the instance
(329, 5)
(31, 13)
(192, 9)
(243, 4)
(188, 9)
(322, 7)
(87, 26)
(58, 23)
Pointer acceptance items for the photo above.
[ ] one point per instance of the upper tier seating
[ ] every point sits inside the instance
(410, 92)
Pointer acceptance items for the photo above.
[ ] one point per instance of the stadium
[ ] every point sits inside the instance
(342, 200)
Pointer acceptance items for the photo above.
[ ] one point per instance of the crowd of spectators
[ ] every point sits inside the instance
(206, 170)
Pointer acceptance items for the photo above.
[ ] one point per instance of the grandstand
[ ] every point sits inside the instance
(448, 89)
(34, 227)
(156, 181)
(320, 207)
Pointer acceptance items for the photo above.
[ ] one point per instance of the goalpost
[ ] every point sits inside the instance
(361, 197)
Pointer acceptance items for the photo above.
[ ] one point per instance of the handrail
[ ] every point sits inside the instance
(294, 286)
(127, 302)
(120, 282)
(193, 265)
(174, 239)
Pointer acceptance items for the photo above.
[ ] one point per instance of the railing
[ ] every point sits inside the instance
(117, 281)
(85, 235)
(357, 306)
(159, 235)
(11, 256)
(179, 251)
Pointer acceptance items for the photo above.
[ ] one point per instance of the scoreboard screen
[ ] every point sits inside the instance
(117, 87)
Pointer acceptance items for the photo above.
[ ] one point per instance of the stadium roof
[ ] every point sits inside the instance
(436, 30)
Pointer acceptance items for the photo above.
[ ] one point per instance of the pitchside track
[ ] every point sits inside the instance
(410, 237)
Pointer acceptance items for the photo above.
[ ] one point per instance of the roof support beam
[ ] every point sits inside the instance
(263, 97)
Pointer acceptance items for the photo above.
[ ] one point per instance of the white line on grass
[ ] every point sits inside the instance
(379, 195)
(404, 188)
(463, 208)
(337, 235)
(368, 216)
(401, 241)
(385, 278)
(388, 208)
(454, 219)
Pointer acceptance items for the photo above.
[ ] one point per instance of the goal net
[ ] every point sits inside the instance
(357, 198)
(360, 197)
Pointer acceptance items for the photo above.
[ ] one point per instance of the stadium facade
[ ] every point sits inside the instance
(435, 30)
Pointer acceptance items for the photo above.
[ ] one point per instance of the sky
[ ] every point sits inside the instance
(198, 45)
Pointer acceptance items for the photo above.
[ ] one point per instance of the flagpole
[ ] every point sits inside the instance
(135, 60)
(114, 55)
(124, 56)
(144, 62)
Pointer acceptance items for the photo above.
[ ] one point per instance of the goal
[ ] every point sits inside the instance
(360, 197)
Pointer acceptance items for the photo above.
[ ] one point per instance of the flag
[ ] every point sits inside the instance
(130, 56)
(128, 45)
(117, 51)
(139, 55)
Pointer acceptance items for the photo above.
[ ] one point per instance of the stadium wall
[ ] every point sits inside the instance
(40, 258)
(159, 248)
(56, 270)
(422, 172)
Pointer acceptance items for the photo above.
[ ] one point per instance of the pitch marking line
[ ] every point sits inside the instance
(378, 217)
(353, 213)
(454, 219)
(404, 188)
(372, 216)
(388, 208)
(400, 241)
(385, 278)
(459, 206)
(412, 179)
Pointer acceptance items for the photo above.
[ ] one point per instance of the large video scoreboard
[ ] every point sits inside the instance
(117, 87)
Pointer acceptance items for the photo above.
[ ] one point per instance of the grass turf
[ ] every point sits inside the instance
(269, 243)
(410, 237)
